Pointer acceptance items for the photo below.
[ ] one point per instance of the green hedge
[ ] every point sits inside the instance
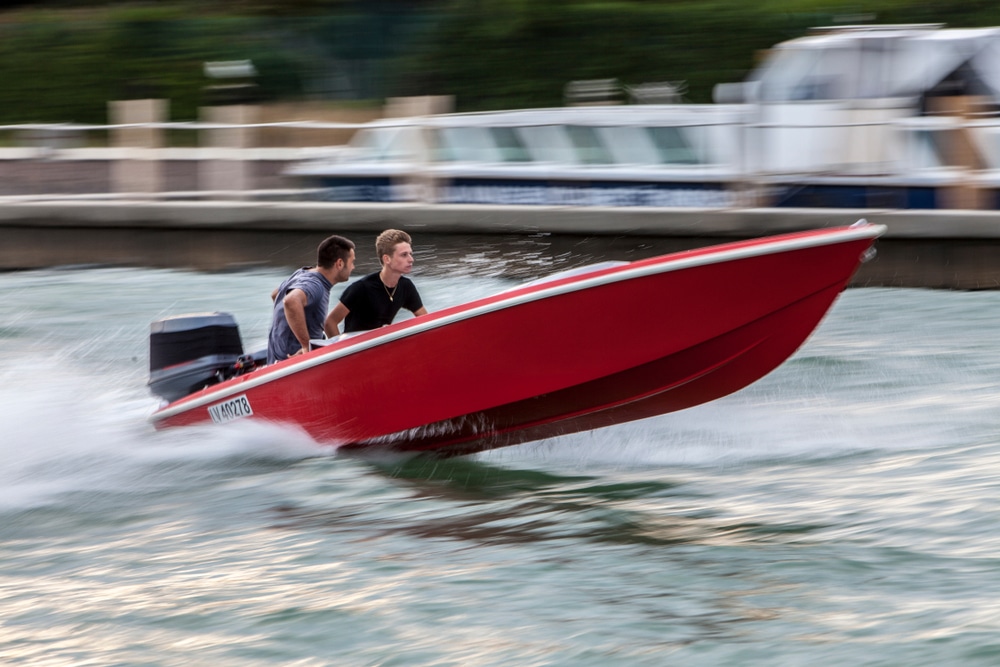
(62, 67)
(525, 60)
(64, 64)
(521, 54)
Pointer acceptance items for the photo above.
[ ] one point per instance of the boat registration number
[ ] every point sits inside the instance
(234, 408)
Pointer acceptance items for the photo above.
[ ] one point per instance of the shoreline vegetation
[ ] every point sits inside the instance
(63, 61)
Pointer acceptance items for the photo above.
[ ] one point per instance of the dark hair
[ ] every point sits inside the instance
(331, 249)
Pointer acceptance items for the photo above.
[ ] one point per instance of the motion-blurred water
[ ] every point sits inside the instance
(843, 511)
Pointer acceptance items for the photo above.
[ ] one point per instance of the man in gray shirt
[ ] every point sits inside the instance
(301, 301)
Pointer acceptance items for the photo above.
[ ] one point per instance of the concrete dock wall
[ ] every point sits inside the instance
(940, 249)
(150, 183)
(139, 214)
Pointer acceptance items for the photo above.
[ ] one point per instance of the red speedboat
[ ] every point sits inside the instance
(576, 351)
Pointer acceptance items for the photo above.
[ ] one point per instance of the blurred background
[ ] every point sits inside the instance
(842, 511)
(262, 101)
(64, 60)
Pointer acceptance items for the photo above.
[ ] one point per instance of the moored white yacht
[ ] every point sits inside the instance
(847, 117)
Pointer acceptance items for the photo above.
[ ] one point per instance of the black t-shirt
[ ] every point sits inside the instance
(370, 306)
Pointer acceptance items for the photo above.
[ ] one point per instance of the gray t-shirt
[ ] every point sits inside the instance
(281, 342)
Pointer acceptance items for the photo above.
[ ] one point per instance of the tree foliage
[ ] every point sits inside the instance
(64, 60)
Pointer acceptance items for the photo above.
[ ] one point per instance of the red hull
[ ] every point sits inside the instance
(567, 355)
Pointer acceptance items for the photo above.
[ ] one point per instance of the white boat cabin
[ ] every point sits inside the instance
(853, 116)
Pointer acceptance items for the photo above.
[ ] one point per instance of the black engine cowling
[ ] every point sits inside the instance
(190, 352)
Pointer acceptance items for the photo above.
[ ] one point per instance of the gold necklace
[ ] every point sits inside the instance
(392, 293)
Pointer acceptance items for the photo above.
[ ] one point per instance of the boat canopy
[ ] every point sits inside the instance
(868, 62)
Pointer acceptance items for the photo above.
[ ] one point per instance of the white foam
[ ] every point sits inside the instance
(66, 430)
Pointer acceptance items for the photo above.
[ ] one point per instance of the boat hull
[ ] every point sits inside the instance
(691, 377)
(571, 354)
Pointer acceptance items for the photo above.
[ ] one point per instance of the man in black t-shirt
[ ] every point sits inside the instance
(373, 301)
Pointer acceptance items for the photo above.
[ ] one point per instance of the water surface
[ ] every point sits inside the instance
(844, 510)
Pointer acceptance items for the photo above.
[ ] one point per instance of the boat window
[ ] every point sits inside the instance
(438, 152)
(383, 145)
(465, 144)
(549, 143)
(509, 144)
(402, 145)
(588, 145)
(924, 153)
(362, 139)
(874, 70)
(934, 147)
(796, 74)
(630, 145)
(988, 144)
(673, 145)
(370, 144)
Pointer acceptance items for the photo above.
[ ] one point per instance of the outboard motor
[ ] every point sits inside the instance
(191, 352)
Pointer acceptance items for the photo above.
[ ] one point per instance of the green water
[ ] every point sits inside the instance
(843, 511)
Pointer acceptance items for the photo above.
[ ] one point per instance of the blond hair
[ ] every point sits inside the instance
(387, 241)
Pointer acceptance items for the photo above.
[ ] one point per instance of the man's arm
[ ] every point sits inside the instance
(295, 314)
(332, 324)
(414, 299)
